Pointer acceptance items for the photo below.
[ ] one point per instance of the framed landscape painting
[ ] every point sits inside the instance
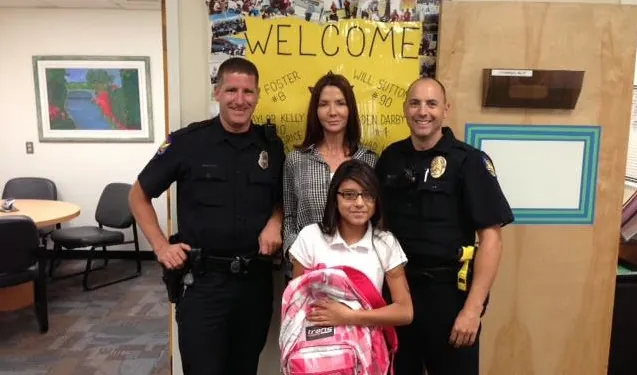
(93, 98)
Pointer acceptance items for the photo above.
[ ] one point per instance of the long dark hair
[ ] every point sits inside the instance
(362, 174)
(314, 130)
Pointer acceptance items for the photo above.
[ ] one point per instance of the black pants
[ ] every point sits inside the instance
(425, 343)
(223, 322)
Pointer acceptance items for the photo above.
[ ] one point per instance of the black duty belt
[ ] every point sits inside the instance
(459, 274)
(436, 274)
(239, 265)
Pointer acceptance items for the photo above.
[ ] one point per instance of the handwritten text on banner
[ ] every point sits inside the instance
(379, 59)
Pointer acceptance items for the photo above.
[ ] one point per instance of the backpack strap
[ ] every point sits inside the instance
(364, 287)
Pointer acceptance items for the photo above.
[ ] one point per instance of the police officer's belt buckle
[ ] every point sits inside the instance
(239, 265)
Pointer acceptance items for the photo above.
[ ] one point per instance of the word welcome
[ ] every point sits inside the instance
(350, 40)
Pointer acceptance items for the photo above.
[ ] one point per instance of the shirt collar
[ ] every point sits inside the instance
(365, 242)
(312, 149)
(217, 128)
(222, 135)
(446, 142)
(444, 145)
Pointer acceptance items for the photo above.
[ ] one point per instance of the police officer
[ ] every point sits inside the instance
(439, 193)
(229, 187)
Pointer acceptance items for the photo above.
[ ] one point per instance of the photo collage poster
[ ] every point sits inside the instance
(227, 22)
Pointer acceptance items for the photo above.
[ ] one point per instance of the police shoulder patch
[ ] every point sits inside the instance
(489, 165)
(164, 146)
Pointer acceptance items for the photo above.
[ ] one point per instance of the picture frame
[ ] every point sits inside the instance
(93, 99)
(550, 155)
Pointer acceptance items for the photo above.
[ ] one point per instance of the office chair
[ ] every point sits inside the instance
(23, 261)
(112, 212)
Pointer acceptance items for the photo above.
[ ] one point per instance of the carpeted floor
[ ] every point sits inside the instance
(121, 329)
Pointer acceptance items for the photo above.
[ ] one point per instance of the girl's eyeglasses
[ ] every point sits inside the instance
(351, 195)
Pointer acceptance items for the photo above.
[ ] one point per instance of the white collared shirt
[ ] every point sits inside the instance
(375, 254)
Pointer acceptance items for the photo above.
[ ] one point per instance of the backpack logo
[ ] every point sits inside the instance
(315, 333)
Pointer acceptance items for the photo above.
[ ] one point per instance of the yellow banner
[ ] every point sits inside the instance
(379, 59)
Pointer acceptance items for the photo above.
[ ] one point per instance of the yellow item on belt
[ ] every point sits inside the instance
(465, 259)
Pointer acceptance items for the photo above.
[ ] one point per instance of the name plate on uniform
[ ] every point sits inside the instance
(548, 173)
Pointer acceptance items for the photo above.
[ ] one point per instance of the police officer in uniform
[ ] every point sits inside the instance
(440, 192)
(229, 206)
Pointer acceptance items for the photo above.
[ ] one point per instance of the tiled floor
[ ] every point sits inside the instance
(120, 329)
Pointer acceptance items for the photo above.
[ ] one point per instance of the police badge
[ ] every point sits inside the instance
(438, 166)
(263, 160)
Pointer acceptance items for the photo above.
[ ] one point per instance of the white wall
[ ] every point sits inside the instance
(80, 170)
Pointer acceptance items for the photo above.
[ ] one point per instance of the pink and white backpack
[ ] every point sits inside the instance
(339, 350)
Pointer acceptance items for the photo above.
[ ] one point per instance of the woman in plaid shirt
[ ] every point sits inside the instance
(332, 136)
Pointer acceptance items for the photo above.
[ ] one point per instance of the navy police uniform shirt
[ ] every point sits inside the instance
(227, 184)
(436, 200)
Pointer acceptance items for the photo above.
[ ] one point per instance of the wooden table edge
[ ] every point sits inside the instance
(60, 220)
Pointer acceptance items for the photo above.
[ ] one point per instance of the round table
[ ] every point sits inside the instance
(44, 213)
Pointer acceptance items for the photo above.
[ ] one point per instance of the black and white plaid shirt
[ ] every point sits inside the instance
(306, 179)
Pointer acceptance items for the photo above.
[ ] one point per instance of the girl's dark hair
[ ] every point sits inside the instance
(362, 174)
(314, 130)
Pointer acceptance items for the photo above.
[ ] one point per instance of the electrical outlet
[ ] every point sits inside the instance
(29, 147)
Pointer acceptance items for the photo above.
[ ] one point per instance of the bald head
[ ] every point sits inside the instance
(427, 80)
(425, 109)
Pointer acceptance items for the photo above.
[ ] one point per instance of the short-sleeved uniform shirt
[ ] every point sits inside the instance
(227, 184)
(375, 254)
(436, 200)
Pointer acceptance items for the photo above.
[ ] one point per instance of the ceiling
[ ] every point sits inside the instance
(90, 4)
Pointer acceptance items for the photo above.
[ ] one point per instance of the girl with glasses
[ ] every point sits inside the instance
(350, 234)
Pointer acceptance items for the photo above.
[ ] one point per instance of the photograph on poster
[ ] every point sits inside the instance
(258, 8)
(310, 10)
(229, 23)
(214, 68)
(229, 6)
(427, 66)
(226, 34)
(228, 46)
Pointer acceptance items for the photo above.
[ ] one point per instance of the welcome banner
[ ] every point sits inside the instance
(380, 59)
